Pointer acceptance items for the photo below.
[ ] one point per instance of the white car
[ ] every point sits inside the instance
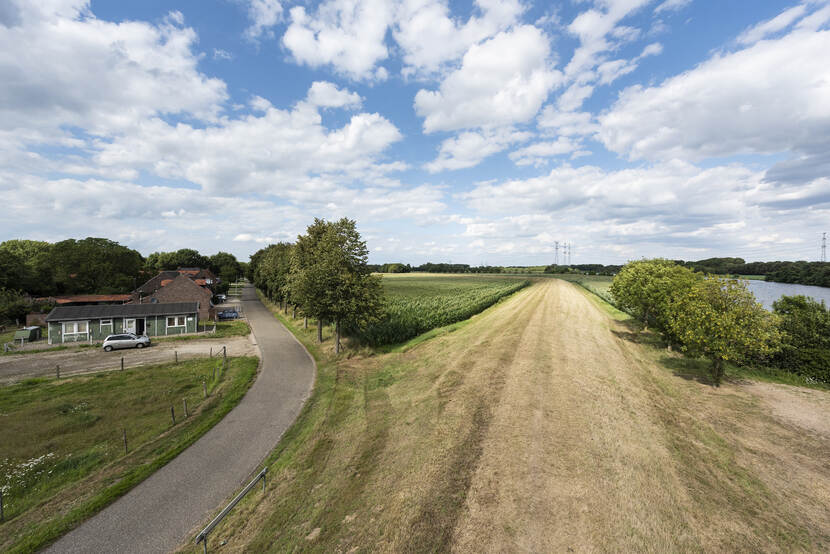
(125, 340)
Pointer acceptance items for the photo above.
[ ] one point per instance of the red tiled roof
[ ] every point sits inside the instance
(165, 281)
(200, 282)
(92, 298)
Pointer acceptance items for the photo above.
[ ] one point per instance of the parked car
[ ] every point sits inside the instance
(125, 340)
(227, 314)
(221, 298)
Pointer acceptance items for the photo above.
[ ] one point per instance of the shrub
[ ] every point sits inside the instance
(805, 347)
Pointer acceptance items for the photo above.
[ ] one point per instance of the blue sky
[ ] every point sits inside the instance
(471, 132)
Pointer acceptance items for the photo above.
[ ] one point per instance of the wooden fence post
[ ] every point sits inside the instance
(176, 356)
(173, 414)
(185, 407)
(124, 432)
(58, 370)
(122, 363)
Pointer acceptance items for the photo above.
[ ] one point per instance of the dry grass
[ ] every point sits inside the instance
(542, 426)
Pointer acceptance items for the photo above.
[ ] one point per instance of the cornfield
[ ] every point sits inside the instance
(417, 304)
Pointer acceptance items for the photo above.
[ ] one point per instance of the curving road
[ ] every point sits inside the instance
(157, 515)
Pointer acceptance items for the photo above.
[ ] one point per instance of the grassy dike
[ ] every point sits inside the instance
(62, 451)
(329, 477)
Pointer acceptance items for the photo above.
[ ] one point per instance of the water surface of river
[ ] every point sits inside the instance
(768, 292)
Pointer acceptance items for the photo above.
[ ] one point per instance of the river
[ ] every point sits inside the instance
(768, 292)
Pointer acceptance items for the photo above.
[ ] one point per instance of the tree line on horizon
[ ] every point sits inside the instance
(796, 272)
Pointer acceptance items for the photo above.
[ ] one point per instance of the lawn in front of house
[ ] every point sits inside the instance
(62, 454)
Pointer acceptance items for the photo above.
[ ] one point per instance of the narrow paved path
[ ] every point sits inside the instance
(157, 514)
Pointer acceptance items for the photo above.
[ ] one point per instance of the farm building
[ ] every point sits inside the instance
(94, 323)
(178, 286)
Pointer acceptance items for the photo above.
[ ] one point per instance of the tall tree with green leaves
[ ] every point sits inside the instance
(645, 289)
(271, 270)
(27, 265)
(225, 266)
(721, 320)
(330, 278)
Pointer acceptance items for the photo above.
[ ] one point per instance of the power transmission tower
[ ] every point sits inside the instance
(824, 247)
(556, 255)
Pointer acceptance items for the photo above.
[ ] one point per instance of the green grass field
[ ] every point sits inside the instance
(418, 303)
(598, 284)
(61, 441)
(236, 328)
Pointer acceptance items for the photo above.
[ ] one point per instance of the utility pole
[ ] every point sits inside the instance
(556, 255)
(824, 247)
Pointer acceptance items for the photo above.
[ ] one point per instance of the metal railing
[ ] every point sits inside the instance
(203, 535)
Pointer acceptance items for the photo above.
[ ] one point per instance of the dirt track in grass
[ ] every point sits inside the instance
(543, 426)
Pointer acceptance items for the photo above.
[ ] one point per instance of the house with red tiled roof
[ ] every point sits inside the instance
(189, 284)
(180, 288)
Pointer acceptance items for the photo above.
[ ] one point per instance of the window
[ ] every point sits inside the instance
(74, 327)
(176, 321)
(106, 323)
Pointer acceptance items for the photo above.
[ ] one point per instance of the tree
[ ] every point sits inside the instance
(184, 257)
(27, 265)
(13, 305)
(95, 265)
(330, 277)
(805, 343)
(271, 270)
(225, 266)
(721, 320)
(645, 289)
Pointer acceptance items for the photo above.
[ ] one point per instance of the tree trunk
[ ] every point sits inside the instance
(285, 308)
(337, 337)
(305, 322)
(319, 331)
(294, 312)
(717, 370)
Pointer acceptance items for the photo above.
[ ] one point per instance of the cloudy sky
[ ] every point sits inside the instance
(476, 133)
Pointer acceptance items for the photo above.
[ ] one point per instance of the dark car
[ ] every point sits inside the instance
(125, 340)
(227, 314)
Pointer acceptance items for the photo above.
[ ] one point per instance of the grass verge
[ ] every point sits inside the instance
(63, 451)
(237, 328)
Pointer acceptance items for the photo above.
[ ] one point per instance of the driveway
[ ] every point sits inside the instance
(158, 514)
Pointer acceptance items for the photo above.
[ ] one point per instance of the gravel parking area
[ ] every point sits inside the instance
(88, 360)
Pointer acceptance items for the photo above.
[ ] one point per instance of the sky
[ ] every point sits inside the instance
(481, 132)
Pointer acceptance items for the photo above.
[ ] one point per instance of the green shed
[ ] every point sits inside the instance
(94, 323)
(27, 334)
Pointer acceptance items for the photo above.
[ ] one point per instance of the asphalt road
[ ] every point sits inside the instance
(158, 514)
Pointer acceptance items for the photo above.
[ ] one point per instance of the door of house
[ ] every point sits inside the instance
(139, 327)
(129, 325)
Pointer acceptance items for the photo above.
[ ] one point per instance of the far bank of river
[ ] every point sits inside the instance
(768, 292)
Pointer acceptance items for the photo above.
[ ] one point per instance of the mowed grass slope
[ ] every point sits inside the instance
(416, 303)
(541, 425)
(61, 441)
